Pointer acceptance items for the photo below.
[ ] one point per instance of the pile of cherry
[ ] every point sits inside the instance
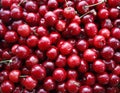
(59, 46)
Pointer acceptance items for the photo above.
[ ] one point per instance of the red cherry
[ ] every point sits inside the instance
(7, 87)
(73, 61)
(14, 75)
(72, 74)
(85, 89)
(29, 83)
(89, 55)
(24, 30)
(32, 41)
(99, 66)
(38, 72)
(59, 74)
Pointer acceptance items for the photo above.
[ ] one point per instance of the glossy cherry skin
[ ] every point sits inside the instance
(99, 66)
(114, 43)
(44, 43)
(72, 74)
(66, 48)
(73, 61)
(52, 53)
(4, 75)
(31, 6)
(6, 4)
(38, 72)
(113, 13)
(115, 32)
(31, 61)
(103, 13)
(24, 30)
(110, 64)
(49, 66)
(52, 4)
(98, 89)
(91, 29)
(42, 31)
(62, 88)
(83, 67)
(14, 75)
(104, 32)
(106, 23)
(11, 36)
(99, 41)
(7, 87)
(54, 37)
(50, 18)
(116, 70)
(32, 41)
(89, 78)
(81, 7)
(60, 25)
(49, 84)
(74, 29)
(43, 9)
(69, 12)
(15, 24)
(22, 51)
(61, 61)
(72, 86)
(42, 90)
(59, 74)
(114, 80)
(85, 89)
(29, 83)
(107, 52)
(103, 78)
(87, 18)
(89, 55)
(3, 30)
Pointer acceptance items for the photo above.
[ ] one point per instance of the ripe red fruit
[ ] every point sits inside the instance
(38, 72)
(14, 76)
(59, 74)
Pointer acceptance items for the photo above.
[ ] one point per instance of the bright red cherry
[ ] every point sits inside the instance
(66, 48)
(104, 32)
(32, 41)
(103, 13)
(74, 29)
(42, 31)
(11, 36)
(22, 51)
(14, 75)
(4, 75)
(116, 70)
(99, 66)
(50, 18)
(59, 74)
(72, 86)
(61, 88)
(60, 25)
(24, 30)
(91, 29)
(113, 13)
(29, 83)
(38, 72)
(103, 78)
(115, 32)
(7, 87)
(89, 55)
(6, 4)
(69, 12)
(73, 61)
(107, 52)
(52, 4)
(114, 80)
(61, 61)
(89, 78)
(43, 9)
(72, 74)
(49, 84)
(99, 41)
(44, 43)
(85, 89)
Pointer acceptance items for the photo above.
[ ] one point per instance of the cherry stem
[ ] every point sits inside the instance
(66, 3)
(91, 11)
(22, 1)
(5, 61)
(102, 1)
(23, 76)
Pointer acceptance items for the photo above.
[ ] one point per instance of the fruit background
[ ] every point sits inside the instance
(59, 46)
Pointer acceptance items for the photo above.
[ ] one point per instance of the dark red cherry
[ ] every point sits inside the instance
(114, 80)
(52, 4)
(32, 41)
(72, 74)
(85, 89)
(38, 72)
(4, 75)
(7, 87)
(59, 74)
(43, 9)
(6, 4)
(98, 89)
(72, 86)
